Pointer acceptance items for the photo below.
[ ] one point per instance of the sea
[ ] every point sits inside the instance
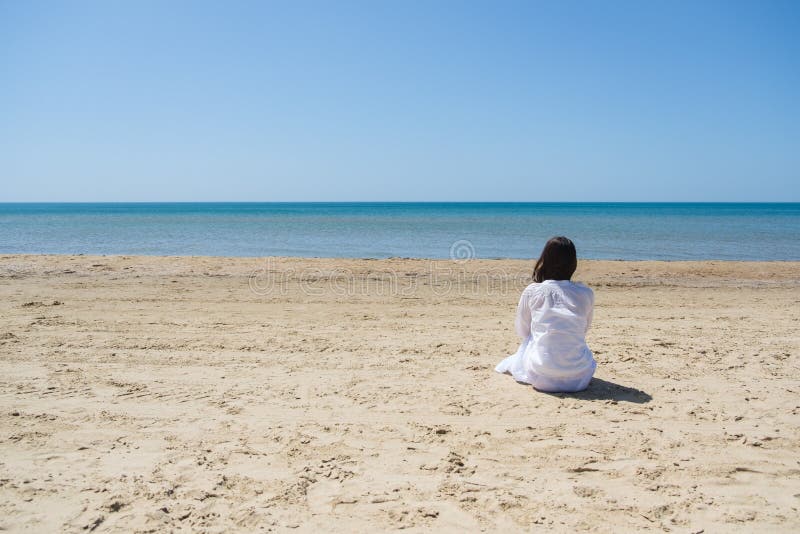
(624, 231)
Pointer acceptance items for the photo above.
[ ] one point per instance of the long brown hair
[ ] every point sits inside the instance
(558, 260)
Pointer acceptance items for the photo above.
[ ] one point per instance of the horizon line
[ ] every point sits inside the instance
(399, 202)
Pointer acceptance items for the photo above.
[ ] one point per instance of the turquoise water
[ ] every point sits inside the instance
(630, 231)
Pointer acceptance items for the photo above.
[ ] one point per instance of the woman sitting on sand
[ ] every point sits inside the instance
(553, 317)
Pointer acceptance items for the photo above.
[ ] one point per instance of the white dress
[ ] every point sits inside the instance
(553, 318)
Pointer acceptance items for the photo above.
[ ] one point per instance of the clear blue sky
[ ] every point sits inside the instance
(277, 101)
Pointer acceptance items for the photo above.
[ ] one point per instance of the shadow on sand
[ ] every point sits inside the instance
(600, 389)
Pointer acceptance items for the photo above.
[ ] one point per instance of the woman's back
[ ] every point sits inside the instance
(558, 314)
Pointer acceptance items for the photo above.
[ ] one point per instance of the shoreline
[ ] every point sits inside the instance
(7, 255)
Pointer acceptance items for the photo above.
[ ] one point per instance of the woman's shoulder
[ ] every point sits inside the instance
(534, 287)
(551, 285)
(530, 288)
(581, 288)
(532, 291)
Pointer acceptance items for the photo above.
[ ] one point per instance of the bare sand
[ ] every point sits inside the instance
(229, 394)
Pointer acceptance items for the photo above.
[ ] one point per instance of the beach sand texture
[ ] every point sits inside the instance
(225, 394)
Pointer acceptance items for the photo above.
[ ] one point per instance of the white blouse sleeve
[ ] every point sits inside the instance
(522, 324)
(590, 313)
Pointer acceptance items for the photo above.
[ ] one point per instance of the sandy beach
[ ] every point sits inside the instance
(233, 394)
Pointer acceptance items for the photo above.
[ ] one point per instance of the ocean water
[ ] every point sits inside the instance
(630, 231)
